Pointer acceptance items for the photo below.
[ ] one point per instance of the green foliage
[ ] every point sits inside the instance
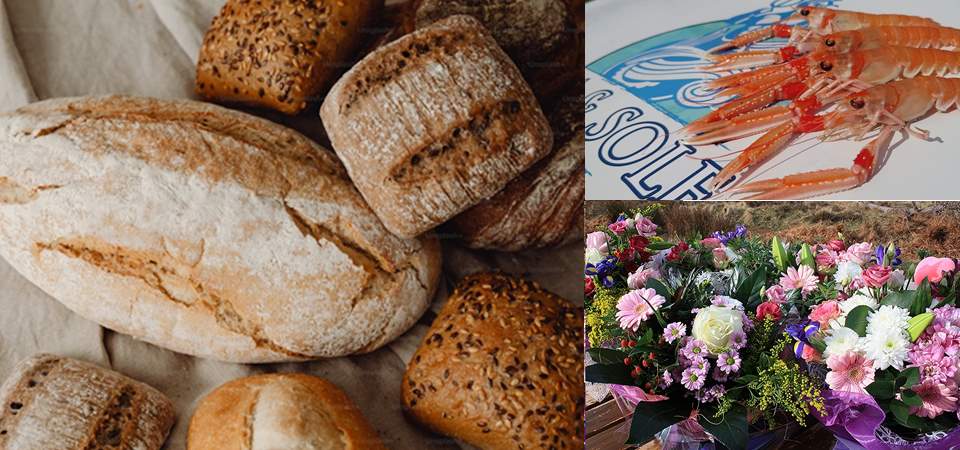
(780, 257)
(601, 316)
(729, 427)
(649, 418)
(922, 300)
(782, 386)
(857, 319)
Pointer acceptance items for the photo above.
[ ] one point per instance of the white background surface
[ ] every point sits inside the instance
(915, 170)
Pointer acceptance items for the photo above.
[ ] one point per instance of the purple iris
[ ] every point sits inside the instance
(881, 252)
(739, 232)
(603, 270)
(802, 332)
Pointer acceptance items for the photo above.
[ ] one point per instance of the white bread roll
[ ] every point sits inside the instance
(203, 230)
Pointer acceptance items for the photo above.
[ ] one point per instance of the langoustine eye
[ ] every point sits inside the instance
(829, 42)
(826, 66)
(804, 12)
(857, 103)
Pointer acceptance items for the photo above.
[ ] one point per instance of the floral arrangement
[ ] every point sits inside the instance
(724, 336)
(688, 331)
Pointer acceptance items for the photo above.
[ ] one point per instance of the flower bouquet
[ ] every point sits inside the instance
(886, 338)
(689, 333)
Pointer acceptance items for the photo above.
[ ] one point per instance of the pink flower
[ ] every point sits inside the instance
(692, 379)
(769, 309)
(826, 258)
(720, 257)
(803, 279)
(825, 312)
(639, 278)
(876, 276)
(728, 361)
(635, 307)
(588, 286)
(618, 227)
(598, 240)
(810, 354)
(937, 398)
(849, 372)
(836, 245)
(776, 294)
(645, 227)
(858, 253)
(933, 268)
(711, 242)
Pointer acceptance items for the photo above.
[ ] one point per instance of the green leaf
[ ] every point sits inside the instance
(817, 343)
(649, 418)
(911, 398)
(730, 430)
(749, 289)
(917, 324)
(607, 355)
(609, 374)
(746, 379)
(806, 256)
(661, 245)
(902, 299)
(779, 254)
(661, 288)
(922, 300)
(908, 378)
(857, 319)
(881, 389)
(900, 411)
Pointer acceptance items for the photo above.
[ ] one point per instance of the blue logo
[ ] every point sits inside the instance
(664, 71)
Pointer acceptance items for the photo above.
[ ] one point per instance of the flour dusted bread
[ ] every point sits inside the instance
(544, 205)
(280, 55)
(279, 412)
(432, 123)
(50, 402)
(203, 230)
(501, 367)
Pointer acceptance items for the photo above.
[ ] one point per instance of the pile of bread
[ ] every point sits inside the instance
(215, 233)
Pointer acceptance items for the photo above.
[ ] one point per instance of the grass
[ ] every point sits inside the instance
(911, 225)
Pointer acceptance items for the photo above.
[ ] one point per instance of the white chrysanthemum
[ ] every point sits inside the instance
(847, 272)
(854, 301)
(839, 341)
(886, 319)
(886, 349)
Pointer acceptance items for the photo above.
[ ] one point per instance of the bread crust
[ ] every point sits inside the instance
(91, 407)
(501, 367)
(280, 55)
(543, 205)
(203, 230)
(434, 122)
(282, 410)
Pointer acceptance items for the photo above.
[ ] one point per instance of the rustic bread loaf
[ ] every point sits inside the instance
(203, 230)
(526, 29)
(432, 123)
(280, 55)
(501, 367)
(50, 402)
(540, 207)
(279, 412)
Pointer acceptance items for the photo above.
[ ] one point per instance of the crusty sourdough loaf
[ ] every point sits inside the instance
(279, 412)
(280, 55)
(526, 29)
(203, 230)
(50, 402)
(540, 207)
(432, 123)
(501, 367)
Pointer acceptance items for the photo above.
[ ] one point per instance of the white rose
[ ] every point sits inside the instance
(593, 256)
(714, 325)
(847, 272)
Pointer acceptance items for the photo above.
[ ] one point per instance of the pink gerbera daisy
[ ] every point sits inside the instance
(937, 398)
(803, 279)
(637, 306)
(849, 372)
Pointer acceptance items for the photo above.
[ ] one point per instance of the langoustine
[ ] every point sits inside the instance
(890, 107)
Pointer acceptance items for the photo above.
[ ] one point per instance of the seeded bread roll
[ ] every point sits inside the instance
(434, 122)
(50, 402)
(540, 207)
(501, 367)
(203, 230)
(279, 412)
(280, 55)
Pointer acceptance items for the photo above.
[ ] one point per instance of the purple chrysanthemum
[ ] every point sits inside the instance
(700, 363)
(666, 379)
(694, 349)
(692, 379)
(728, 361)
(738, 340)
(719, 376)
(674, 331)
